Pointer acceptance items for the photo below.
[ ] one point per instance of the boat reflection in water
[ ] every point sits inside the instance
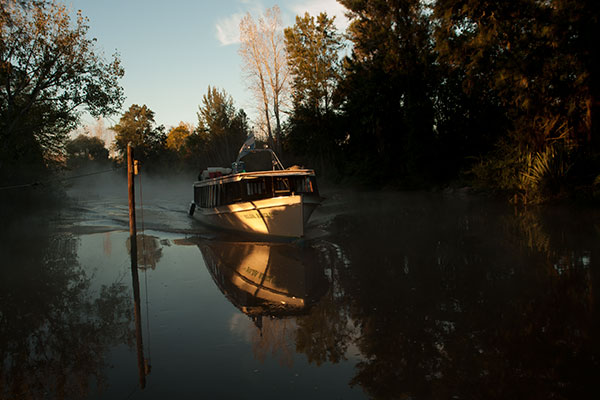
(266, 279)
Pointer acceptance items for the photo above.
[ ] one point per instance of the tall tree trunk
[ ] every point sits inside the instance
(267, 117)
(277, 126)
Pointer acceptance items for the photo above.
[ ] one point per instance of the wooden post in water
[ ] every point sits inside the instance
(134, 266)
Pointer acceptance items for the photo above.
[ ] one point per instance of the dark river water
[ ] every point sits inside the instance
(390, 296)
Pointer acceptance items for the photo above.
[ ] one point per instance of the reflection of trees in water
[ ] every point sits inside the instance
(53, 334)
(275, 337)
(565, 237)
(324, 330)
(325, 334)
(321, 331)
(149, 250)
(274, 284)
(451, 300)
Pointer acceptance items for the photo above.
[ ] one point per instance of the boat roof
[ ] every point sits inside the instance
(256, 174)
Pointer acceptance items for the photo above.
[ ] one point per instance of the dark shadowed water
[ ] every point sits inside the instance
(391, 296)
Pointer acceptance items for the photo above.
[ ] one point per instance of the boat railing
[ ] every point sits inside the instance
(238, 165)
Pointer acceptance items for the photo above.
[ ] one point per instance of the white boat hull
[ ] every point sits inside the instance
(283, 216)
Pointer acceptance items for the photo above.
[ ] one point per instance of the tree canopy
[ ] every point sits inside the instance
(221, 128)
(389, 87)
(50, 73)
(503, 94)
(84, 148)
(312, 48)
(536, 56)
(177, 136)
(137, 126)
(312, 55)
(499, 95)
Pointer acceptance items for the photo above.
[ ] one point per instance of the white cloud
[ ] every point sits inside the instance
(242, 326)
(228, 29)
(315, 7)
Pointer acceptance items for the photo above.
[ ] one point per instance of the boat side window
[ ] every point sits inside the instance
(198, 195)
(281, 185)
(211, 196)
(304, 184)
(231, 193)
(312, 185)
(256, 188)
(204, 196)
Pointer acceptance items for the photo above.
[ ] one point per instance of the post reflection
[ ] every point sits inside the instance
(149, 251)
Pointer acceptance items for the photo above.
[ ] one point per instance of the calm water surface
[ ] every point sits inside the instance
(391, 296)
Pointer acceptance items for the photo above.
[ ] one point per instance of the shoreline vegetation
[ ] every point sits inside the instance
(495, 98)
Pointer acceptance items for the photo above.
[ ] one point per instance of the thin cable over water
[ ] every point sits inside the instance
(38, 183)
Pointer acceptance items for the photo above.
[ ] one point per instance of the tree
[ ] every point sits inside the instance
(137, 127)
(312, 49)
(312, 54)
(177, 137)
(50, 72)
(539, 60)
(533, 54)
(221, 128)
(84, 149)
(388, 88)
(263, 53)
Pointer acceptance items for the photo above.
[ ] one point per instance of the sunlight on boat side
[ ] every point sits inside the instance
(280, 216)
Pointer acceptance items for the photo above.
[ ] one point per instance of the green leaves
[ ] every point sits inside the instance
(50, 73)
(137, 126)
(526, 52)
(221, 129)
(312, 48)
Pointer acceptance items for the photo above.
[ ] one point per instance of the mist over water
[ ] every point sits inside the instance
(162, 201)
(390, 295)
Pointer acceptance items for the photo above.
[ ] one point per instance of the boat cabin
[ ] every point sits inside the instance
(251, 187)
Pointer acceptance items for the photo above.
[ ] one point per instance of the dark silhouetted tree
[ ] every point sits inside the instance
(50, 72)
(84, 149)
(388, 89)
(539, 60)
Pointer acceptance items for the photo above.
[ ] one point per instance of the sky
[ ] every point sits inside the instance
(173, 50)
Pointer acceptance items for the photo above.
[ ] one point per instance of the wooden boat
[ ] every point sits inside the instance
(277, 203)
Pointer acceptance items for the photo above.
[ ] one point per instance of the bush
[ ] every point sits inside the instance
(527, 177)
